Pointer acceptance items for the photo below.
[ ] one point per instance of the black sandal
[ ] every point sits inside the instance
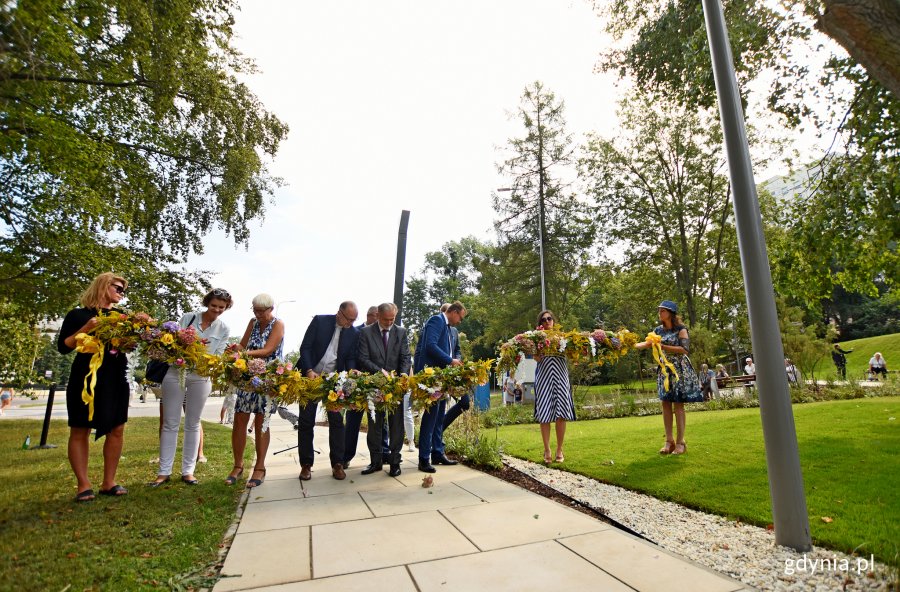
(232, 479)
(115, 491)
(251, 483)
(85, 496)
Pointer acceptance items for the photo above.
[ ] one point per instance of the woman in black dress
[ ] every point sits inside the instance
(110, 393)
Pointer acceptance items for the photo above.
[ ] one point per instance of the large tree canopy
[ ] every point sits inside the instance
(125, 136)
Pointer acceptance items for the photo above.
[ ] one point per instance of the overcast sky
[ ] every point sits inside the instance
(392, 105)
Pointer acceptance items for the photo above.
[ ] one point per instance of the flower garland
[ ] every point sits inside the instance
(665, 366)
(597, 347)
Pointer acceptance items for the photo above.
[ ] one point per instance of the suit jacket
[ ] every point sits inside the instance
(318, 336)
(372, 356)
(434, 344)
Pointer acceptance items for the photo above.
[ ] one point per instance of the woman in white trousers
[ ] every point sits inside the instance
(191, 398)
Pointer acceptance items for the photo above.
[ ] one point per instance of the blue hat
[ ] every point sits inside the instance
(669, 305)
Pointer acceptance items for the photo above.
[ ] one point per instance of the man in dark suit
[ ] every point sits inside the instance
(384, 347)
(436, 350)
(329, 345)
(462, 405)
(353, 418)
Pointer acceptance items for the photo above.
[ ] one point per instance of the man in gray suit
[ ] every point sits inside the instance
(384, 347)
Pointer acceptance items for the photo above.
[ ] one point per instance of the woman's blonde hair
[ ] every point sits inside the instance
(93, 296)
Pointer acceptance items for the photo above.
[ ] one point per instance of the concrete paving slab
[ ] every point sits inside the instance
(645, 566)
(392, 579)
(418, 499)
(323, 483)
(413, 476)
(537, 567)
(275, 490)
(491, 489)
(253, 558)
(517, 522)
(364, 545)
(303, 512)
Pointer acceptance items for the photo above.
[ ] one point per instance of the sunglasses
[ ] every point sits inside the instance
(220, 293)
(545, 319)
(261, 310)
(119, 289)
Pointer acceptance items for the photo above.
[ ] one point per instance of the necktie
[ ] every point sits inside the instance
(384, 338)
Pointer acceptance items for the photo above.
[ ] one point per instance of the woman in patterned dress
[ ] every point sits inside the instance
(686, 389)
(552, 394)
(262, 339)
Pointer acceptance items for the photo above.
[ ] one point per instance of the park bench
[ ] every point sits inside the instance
(733, 381)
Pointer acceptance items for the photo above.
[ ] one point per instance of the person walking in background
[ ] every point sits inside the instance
(793, 375)
(435, 349)
(839, 357)
(264, 339)
(329, 345)
(684, 389)
(384, 347)
(226, 414)
(707, 381)
(509, 389)
(552, 394)
(111, 390)
(877, 365)
(190, 392)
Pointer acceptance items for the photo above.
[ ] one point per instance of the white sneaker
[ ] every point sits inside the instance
(201, 459)
(410, 448)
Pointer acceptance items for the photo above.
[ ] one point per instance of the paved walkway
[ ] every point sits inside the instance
(470, 531)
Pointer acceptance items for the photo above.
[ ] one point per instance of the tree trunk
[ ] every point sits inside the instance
(870, 32)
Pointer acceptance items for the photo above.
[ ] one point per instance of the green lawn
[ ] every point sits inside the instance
(863, 349)
(848, 452)
(149, 539)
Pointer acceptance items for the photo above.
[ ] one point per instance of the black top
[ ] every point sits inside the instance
(111, 391)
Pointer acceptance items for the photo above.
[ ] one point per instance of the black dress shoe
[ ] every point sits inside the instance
(425, 467)
(395, 471)
(371, 469)
(443, 460)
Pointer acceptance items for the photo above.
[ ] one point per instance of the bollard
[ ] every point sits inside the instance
(46, 428)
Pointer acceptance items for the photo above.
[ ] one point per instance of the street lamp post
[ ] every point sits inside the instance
(540, 247)
(283, 302)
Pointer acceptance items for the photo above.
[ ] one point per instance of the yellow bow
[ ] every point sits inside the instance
(664, 364)
(88, 344)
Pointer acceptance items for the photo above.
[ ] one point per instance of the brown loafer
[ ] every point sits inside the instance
(337, 471)
(305, 472)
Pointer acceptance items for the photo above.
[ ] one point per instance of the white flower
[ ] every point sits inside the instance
(562, 344)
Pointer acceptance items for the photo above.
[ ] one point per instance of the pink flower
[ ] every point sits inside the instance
(113, 351)
(289, 366)
(279, 370)
(179, 362)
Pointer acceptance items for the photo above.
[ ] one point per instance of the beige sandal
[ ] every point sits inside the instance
(669, 448)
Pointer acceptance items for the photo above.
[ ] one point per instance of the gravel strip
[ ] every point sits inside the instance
(743, 552)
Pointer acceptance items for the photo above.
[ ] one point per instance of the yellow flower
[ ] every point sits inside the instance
(429, 371)
(240, 364)
(332, 396)
(388, 397)
(282, 389)
(167, 339)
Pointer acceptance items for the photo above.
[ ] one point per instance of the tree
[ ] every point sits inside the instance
(660, 188)
(125, 136)
(539, 214)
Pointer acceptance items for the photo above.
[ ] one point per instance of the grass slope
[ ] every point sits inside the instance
(150, 539)
(848, 453)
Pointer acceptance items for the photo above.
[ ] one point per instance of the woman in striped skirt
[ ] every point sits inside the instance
(552, 394)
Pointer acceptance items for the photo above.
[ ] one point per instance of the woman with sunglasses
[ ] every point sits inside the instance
(111, 391)
(190, 394)
(263, 338)
(552, 394)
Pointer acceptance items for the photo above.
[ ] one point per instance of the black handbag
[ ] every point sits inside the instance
(156, 369)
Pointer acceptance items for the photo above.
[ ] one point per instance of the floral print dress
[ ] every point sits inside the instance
(255, 402)
(687, 388)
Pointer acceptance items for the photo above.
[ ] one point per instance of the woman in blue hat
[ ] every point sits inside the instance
(686, 389)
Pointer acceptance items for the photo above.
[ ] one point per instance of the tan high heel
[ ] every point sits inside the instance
(680, 448)
(669, 448)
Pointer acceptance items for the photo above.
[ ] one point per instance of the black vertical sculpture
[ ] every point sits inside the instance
(401, 263)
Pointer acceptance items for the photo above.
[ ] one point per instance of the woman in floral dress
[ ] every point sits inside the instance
(686, 388)
(263, 339)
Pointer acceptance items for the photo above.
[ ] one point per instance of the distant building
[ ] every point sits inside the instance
(800, 183)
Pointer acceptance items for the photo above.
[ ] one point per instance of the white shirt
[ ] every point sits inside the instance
(329, 358)
(216, 334)
(750, 368)
(876, 363)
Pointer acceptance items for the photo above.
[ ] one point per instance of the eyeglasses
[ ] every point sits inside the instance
(220, 293)
(261, 310)
(119, 289)
(545, 319)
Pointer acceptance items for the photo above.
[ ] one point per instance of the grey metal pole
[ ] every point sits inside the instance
(401, 265)
(541, 252)
(782, 455)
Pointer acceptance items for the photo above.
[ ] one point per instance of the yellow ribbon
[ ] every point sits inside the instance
(87, 344)
(665, 366)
